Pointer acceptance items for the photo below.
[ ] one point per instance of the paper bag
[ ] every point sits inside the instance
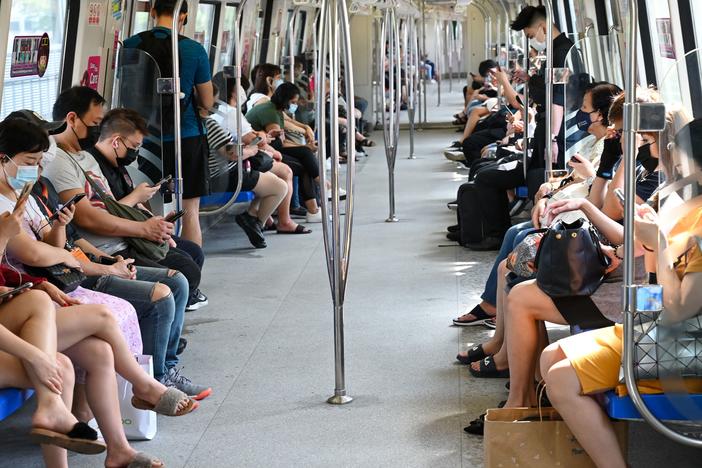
(138, 424)
(521, 437)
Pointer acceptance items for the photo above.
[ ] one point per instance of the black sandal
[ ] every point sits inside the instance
(480, 317)
(476, 426)
(476, 353)
(300, 229)
(488, 370)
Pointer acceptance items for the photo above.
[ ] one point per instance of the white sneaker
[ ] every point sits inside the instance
(455, 155)
(342, 194)
(314, 218)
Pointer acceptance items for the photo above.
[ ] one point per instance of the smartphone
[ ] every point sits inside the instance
(26, 190)
(76, 198)
(620, 195)
(162, 181)
(255, 141)
(107, 260)
(176, 216)
(507, 107)
(16, 290)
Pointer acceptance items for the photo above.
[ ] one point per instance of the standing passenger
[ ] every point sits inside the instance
(196, 89)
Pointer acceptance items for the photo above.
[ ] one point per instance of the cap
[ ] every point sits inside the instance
(52, 127)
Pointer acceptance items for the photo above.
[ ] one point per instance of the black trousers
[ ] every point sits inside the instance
(492, 185)
(303, 163)
(474, 144)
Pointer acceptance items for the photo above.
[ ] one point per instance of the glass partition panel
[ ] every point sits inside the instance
(227, 47)
(32, 77)
(204, 25)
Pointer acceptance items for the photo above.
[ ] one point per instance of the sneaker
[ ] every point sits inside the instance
(173, 378)
(197, 301)
(452, 205)
(342, 194)
(314, 217)
(455, 146)
(456, 156)
(253, 229)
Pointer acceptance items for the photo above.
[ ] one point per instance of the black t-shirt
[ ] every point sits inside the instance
(120, 183)
(562, 46)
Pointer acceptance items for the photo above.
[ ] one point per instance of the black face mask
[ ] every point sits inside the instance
(645, 158)
(131, 156)
(90, 140)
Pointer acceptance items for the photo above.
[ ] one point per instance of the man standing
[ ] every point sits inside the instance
(196, 90)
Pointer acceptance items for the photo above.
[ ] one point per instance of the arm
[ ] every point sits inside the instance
(205, 94)
(609, 228)
(101, 222)
(39, 254)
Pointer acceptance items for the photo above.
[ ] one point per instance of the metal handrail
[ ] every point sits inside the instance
(549, 87)
(525, 107)
(508, 36)
(334, 34)
(177, 153)
(629, 296)
(412, 80)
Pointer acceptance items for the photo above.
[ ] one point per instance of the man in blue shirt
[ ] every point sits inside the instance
(196, 89)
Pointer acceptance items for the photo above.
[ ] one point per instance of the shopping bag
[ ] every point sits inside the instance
(138, 424)
(523, 437)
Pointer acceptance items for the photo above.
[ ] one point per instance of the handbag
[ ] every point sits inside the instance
(521, 260)
(152, 250)
(536, 438)
(570, 261)
(66, 278)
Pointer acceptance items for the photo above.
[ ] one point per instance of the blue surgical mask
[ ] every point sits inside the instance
(292, 108)
(277, 83)
(25, 175)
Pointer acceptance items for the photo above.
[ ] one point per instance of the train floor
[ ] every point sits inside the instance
(265, 344)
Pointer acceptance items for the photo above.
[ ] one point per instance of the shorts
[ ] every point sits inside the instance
(248, 183)
(596, 357)
(196, 171)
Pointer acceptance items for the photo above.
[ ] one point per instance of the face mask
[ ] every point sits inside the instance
(583, 120)
(91, 139)
(292, 108)
(538, 45)
(130, 156)
(645, 158)
(277, 83)
(25, 175)
(50, 154)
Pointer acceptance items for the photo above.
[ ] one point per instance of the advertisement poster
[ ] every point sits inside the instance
(115, 45)
(91, 76)
(117, 9)
(30, 56)
(94, 14)
(665, 38)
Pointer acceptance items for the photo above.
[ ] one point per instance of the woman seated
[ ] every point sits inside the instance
(578, 368)
(268, 117)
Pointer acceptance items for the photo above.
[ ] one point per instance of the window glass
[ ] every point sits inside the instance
(33, 18)
(227, 48)
(142, 15)
(204, 25)
(663, 45)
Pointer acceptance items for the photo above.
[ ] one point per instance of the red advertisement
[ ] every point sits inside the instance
(91, 76)
(30, 56)
(665, 38)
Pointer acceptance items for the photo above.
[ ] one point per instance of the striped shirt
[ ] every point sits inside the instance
(217, 138)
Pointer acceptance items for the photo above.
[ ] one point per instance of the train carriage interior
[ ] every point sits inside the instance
(351, 233)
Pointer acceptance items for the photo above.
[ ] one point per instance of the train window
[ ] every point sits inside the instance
(664, 51)
(204, 25)
(142, 16)
(26, 90)
(227, 49)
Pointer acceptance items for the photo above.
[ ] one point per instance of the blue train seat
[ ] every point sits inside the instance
(221, 198)
(621, 407)
(12, 399)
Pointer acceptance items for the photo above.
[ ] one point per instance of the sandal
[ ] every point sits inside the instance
(476, 353)
(300, 229)
(142, 460)
(270, 227)
(81, 439)
(476, 426)
(367, 142)
(480, 317)
(488, 370)
(168, 403)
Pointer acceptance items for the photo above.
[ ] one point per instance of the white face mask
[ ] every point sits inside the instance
(539, 45)
(50, 154)
(242, 95)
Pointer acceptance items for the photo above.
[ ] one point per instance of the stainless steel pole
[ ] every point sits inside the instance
(629, 301)
(525, 107)
(391, 110)
(412, 74)
(424, 51)
(508, 38)
(439, 61)
(449, 52)
(176, 114)
(291, 42)
(549, 88)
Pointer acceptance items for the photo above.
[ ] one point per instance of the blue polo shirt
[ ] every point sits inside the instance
(194, 70)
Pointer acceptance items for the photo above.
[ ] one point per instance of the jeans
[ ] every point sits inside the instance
(161, 321)
(513, 237)
(176, 259)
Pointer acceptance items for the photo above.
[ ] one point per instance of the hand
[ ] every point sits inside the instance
(544, 190)
(5, 289)
(123, 268)
(145, 192)
(277, 155)
(56, 295)
(157, 229)
(646, 228)
(171, 243)
(554, 156)
(563, 206)
(65, 216)
(47, 370)
(538, 212)
(582, 166)
(309, 134)
(520, 75)
(10, 224)
(518, 126)
(614, 262)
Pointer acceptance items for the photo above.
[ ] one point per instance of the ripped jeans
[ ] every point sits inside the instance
(161, 322)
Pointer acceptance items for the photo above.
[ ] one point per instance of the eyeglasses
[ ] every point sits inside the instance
(135, 147)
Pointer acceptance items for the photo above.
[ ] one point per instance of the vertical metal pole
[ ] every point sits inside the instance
(291, 43)
(424, 51)
(412, 80)
(508, 38)
(449, 52)
(525, 107)
(176, 114)
(549, 87)
(391, 111)
(439, 60)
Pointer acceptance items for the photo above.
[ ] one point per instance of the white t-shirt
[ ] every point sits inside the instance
(226, 118)
(33, 221)
(64, 174)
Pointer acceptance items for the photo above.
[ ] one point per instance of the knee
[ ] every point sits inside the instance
(159, 292)
(99, 352)
(41, 303)
(65, 367)
(104, 315)
(281, 186)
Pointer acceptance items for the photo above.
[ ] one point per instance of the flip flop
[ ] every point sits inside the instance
(142, 460)
(270, 227)
(480, 317)
(300, 229)
(81, 439)
(367, 142)
(168, 403)
(488, 370)
(476, 353)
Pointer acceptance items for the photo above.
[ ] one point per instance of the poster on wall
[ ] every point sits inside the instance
(94, 14)
(665, 38)
(117, 9)
(30, 56)
(91, 75)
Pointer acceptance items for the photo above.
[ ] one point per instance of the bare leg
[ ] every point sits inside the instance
(270, 190)
(285, 222)
(583, 415)
(191, 221)
(473, 119)
(81, 408)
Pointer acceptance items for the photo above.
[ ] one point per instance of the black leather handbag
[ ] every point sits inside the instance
(66, 278)
(570, 261)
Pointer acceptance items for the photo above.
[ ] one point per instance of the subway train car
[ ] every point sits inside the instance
(351, 233)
